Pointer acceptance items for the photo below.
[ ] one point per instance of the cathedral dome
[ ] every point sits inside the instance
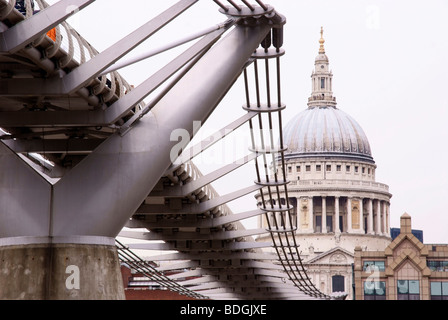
(323, 129)
(326, 131)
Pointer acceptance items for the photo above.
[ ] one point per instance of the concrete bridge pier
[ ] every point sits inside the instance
(48, 271)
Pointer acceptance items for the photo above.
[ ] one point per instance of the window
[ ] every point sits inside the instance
(318, 167)
(408, 290)
(329, 223)
(328, 167)
(439, 290)
(298, 168)
(289, 169)
(347, 168)
(375, 290)
(338, 283)
(434, 265)
(365, 224)
(363, 170)
(322, 83)
(373, 265)
(356, 168)
(308, 168)
(338, 167)
(318, 223)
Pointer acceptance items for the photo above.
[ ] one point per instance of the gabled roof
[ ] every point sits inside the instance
(331, 256)
(406, 235)
(413, 252)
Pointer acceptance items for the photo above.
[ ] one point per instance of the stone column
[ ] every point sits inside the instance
(361, 216)
(324, 214)
(336, 215)
(370, 223)
(311, 213)
(299, 215)
(349, 215)
(378, 217)
(388, 218)
(385, 231)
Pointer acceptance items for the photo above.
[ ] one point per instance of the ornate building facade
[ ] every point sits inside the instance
(338, 203)
(406, 269)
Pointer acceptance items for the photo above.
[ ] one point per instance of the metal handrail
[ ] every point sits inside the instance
(66, 46)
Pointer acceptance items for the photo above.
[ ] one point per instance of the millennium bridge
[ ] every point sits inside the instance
(86, 158)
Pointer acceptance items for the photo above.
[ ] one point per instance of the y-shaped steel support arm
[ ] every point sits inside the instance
(98, 196)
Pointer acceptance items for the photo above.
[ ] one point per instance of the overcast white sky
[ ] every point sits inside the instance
(390, 74)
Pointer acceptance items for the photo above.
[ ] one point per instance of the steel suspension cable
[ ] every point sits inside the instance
(280, 247)
(279, 216)
(266, 172)
(295, 245)
(129, 257)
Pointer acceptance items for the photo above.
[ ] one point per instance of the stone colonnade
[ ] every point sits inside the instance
(338, 214)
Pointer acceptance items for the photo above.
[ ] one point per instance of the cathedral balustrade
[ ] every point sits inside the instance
(321, 98)
(342, 183)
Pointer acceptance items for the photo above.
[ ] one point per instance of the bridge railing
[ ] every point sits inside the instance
(66, 47)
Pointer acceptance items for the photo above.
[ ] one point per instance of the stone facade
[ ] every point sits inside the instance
(406, 270)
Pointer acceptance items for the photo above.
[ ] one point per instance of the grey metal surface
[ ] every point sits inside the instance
(107, 155)
(25, 198)
(138, 162)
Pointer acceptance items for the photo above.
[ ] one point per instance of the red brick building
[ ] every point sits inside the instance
(139, 287)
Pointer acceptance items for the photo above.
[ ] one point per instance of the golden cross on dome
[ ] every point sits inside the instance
(321, 41)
